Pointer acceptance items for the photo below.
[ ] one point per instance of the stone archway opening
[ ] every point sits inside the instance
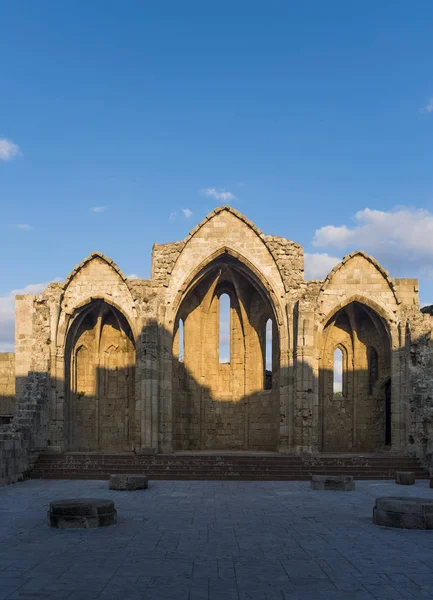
(355, 391)
(100, 380)
(225, 364)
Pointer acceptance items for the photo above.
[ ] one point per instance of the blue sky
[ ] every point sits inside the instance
(314, 119)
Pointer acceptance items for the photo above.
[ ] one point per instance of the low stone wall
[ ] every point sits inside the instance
(19, 446)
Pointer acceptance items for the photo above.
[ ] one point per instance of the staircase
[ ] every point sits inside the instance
(246, 467)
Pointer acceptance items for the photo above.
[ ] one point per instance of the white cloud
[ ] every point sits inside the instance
(98, 209)
(132, 276)
(24, 226)
(9, 150)
(7, 314)
(218, 194)
(332, 236)
(428, 108)
(317, 265)
(400, 238)
(187, 212)
(172, 216)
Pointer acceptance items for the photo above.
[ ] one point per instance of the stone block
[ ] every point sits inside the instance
(341, 483)
(405, 478)
(128, 482)
(81, 513)
(404, 513)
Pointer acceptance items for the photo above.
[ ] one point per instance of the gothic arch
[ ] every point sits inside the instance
(99, 368)
(355, 420)
(224, 405)
(250, 271)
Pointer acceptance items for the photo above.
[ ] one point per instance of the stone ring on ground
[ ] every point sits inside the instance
(405, 513)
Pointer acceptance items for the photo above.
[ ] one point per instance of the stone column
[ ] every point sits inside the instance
(24, 341)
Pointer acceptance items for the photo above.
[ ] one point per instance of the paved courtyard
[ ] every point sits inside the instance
(213, 541)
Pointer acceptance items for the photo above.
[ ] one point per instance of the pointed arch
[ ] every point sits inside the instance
(100, 379)
(354, 420)
(223, 403)
(243, 264)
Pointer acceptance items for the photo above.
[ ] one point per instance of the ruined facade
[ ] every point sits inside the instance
(122, 364)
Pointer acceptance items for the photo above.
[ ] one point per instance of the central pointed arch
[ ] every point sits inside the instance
(222, 404)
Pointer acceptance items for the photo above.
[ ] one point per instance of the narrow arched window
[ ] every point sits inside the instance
(268, 355)
(181, 341)
(338, 372)
(373, 369)
(224, 328)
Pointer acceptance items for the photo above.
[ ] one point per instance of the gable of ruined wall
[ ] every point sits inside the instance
(357, 277)
(223, 231)
(97, 278)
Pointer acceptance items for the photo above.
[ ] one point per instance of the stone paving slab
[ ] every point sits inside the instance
(214, 540)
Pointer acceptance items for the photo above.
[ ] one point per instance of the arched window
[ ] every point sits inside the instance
(373, 369)
(338, 372)
(268, 355)
(224, 328)
(181, 341)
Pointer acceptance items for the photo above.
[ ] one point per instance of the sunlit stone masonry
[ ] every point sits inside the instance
(225, 347)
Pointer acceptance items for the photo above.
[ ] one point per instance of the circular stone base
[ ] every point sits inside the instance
(128, 482)
(82, 513)
(405, 513)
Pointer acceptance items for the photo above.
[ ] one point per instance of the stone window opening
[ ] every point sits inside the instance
(268, 355)
(224, 340)
(181, 341)
(373, 369)
(338, 388)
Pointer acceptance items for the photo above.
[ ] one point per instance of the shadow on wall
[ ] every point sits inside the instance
(159, 403)
(144, 394)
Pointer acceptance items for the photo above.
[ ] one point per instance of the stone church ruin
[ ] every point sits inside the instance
(108, 364)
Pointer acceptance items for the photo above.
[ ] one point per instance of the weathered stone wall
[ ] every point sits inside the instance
(7, 384)
(200, 403)
(26, 436)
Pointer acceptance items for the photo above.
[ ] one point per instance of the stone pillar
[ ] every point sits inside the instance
(286, 370)
(306, 388)
(24, 341)
(147, 360)
(399, 408)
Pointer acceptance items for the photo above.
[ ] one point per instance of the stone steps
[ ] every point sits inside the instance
(221, 467)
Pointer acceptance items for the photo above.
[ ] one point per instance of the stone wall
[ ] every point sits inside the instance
(198, 402)
(27, 435)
